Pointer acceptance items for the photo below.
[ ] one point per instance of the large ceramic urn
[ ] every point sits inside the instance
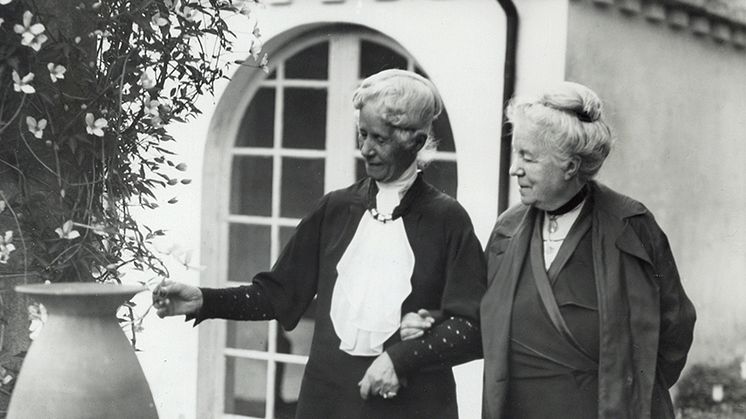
(81, 365)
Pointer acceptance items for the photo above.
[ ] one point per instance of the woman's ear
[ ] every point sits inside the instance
(419, 140)
(573, 168)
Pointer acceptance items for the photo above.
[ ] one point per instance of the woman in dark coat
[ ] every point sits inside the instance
(386, 245)
(585, 315)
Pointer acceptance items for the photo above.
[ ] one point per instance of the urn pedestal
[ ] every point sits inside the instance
(81, 365)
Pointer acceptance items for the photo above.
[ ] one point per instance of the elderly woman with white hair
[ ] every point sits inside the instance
(387, 245)
(585, 315)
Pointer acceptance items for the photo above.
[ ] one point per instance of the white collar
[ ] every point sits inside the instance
(390, 193)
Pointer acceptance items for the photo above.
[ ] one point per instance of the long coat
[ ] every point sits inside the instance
(646, 321)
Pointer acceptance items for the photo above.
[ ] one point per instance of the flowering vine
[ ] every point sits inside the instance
(86, 98)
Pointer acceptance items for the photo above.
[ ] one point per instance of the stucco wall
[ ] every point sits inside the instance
(677, 102)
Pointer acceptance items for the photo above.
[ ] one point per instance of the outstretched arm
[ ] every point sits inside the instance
(247, 302)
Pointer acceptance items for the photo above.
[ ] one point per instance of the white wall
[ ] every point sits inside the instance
(541, 53)
(677, 102)
(461, 45)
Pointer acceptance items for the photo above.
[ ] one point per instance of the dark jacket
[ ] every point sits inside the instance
(646, 320)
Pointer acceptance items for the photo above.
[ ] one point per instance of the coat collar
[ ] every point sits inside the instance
(612, 212)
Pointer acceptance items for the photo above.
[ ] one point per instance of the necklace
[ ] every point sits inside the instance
(383, 218)
(553, 225)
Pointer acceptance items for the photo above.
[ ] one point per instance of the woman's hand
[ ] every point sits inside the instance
(414, 325)
(173, 298)
(380, 378)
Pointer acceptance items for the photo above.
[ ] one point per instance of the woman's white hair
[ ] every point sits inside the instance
(569, 119)
(406, 101)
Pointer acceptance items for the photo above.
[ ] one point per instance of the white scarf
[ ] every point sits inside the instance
(373, 275)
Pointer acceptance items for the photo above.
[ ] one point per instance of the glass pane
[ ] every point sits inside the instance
(442, 175)
(304, 118)
(298, 340)
(249, 251)
(251, 186)
(245, 386)
(247, 335)
(442, 132)
(288, 388)
(258, 123)
(272, 74)
(311, 63)
(376, 57)
(302, 186)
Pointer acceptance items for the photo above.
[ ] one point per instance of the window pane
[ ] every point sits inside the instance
(304, 118)
(442, 175)
(245, 386)
(311, 63)
(442, 132)
(251, 185)
(298, 341)
(376, 57)
(247, 335)
(288, 388)
(249, 251)
(258, 123)
(302, 186)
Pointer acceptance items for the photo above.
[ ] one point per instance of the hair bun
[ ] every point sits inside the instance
(590, 107)
(576, 99)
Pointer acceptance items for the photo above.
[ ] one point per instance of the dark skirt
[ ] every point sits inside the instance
(330, 391)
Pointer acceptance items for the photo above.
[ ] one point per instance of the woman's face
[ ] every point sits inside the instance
(386, 158)
(543, 179)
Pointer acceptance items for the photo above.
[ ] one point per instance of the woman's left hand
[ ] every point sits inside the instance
(380, 378)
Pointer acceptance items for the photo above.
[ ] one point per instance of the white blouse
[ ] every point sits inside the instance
(373, 275)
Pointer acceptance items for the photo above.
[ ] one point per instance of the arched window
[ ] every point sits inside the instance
(296, 141)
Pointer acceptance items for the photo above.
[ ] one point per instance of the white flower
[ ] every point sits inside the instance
(2, 208)
(1, 19)
(31, 35)
(99, 229)
(158, 20)
(101, 34)
(6, 247)
(187, 13)
(263, 63)
(7, 379)
(36, 128)
(66, 231)
(245, 8)
(256, 47)
(151, 106)
(22, 84)
(156, 122)
(56, 72)
(4, 2)
(95, 127)
(37, 313)
(147, 79)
